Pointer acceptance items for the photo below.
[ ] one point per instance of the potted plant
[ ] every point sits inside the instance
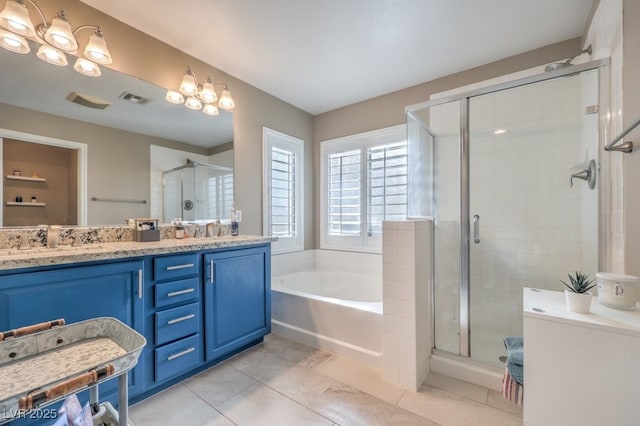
(577, 292)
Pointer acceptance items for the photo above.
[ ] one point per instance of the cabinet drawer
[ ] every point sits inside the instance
(177, 357)
(177, 292)
(172, 324)
(178, 266)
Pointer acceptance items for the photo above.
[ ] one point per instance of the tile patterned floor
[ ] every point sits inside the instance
(281, 382)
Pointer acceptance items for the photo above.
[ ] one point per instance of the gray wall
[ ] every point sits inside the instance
(388, 110)
(631, 108)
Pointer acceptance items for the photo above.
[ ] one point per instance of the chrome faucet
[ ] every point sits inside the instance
(53, 234)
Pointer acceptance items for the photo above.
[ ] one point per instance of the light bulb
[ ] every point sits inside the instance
(15, 18)
(174, 97)
(226, 101)
(52, 55)
(208, 93)
(96, 49)
(188, 86)
(59, 34)
(86, 67)
(13, 42)
(193, 103)
(210, 109)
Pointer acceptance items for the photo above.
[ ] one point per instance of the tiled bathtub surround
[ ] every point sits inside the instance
(36, 236)
(406, 281)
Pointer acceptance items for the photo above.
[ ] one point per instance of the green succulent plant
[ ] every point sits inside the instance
(580, 283)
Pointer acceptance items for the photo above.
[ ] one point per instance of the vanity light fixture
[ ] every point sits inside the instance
(200, 96)
(56, 39)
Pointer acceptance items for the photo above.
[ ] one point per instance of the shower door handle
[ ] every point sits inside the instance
(476, 229)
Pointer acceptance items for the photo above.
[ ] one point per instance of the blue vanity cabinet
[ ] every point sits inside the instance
(237, 298)
(76, 293)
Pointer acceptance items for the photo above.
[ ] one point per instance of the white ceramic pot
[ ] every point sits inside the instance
(578, 302)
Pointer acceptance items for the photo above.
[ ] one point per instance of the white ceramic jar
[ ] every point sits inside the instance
(617, 291)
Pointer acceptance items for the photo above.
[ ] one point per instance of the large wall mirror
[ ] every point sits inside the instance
(74, 162)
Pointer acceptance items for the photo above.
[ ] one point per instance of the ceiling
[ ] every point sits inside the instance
(324, 54)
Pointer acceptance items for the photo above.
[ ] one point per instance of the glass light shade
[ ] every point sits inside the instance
(96, 49)
(15, 18)
(59, 34)
(52, 55)
(174, 97)
(226, 101)
(13, 42)
(188, 86)
(208, 93)
(193, 103)
(86, 67)
(210, 109)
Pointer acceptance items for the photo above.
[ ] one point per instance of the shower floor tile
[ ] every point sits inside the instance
(287, 383)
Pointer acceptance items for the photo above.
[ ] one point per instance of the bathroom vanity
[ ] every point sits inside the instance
(196, 301)
(579, 369)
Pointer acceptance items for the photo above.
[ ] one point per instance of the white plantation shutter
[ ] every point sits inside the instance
(364, 181)
(386, 185)
(344, 171)
(220, 199)
(283, 195)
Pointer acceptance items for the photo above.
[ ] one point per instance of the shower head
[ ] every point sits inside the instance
(558, 65)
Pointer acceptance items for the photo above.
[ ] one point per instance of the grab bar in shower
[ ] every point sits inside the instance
(625, 147)
(118, 200)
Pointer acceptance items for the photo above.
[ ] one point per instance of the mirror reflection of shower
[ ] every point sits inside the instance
(197, 192)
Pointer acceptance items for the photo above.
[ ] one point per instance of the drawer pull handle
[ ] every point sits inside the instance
(176, 267)
(178, 293)
(179, 354)
(140, 284)
(211, 271)
(180, 319)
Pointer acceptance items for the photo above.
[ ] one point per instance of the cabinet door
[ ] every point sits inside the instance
(76, 294)
(237, 299)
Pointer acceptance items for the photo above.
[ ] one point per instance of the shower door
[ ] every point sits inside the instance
(494, 172)
(528, 226)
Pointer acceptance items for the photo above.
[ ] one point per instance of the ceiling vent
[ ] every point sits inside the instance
(136, 99)
(88, 100)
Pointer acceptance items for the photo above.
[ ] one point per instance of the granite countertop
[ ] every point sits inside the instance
(42, 256)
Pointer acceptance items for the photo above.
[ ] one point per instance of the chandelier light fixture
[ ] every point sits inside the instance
(57, 39)
(201, 96)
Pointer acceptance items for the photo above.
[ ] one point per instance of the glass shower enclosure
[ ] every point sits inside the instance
(197, 192)
(494, 168)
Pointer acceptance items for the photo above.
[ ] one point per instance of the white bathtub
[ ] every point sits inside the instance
(330, 300)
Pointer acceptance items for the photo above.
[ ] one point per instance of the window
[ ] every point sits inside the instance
(283, 170)
(364, 181)
(220, 195)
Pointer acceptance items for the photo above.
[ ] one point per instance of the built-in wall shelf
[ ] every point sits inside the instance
(32, 179)
(13, 203)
